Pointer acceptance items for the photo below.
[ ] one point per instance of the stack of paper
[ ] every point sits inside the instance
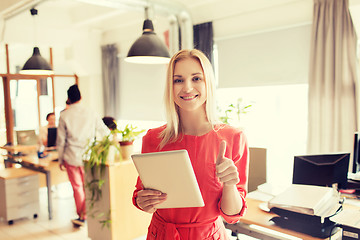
(311, 200)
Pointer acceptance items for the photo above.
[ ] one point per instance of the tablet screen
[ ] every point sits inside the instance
(170, 172)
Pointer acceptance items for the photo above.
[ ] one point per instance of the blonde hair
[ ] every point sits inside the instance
(173, 127)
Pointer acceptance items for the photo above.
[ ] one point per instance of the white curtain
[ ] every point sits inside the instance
(110, 77)
(332, 79)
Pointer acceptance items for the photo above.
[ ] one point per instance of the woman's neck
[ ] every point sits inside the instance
(194, 123)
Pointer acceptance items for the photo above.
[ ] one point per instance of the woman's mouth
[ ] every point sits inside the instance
(189, 97)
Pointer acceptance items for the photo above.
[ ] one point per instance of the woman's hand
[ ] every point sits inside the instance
(148, 199)
(226, 170)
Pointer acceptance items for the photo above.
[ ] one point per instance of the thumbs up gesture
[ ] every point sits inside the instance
(226, 170)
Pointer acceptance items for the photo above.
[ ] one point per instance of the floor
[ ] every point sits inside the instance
(59, 228)
(41, 228)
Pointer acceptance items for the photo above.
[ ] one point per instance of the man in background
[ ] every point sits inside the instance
(43, 131)
(77, 126)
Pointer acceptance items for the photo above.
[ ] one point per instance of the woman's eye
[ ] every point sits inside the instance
(196, 78)
(177, 80)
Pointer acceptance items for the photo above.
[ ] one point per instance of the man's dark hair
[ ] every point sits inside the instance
(49, 114)
(110, 122)
(73, 93)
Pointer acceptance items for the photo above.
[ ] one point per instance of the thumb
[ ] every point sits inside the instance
(221, 153)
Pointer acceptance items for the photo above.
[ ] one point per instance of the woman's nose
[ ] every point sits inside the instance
(188, 86)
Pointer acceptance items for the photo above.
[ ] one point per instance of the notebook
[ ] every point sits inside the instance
(170, 172)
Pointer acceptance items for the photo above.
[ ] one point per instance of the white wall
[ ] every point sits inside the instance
(141, 91)
(87, 54)
(267, 58)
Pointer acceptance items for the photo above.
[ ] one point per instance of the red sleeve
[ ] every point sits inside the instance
(240, 156)
(138, 187)
(145, 148)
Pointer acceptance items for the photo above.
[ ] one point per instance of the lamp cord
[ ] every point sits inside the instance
(147, 12)
(34, 13)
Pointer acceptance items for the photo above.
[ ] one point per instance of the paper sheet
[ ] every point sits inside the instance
(348, 217)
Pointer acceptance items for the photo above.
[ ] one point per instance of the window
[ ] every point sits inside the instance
(24, 104)
(277, 121)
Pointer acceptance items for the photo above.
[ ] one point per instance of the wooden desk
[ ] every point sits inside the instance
(256, 216)
(32, 162)
(20, 148)
(50, 164)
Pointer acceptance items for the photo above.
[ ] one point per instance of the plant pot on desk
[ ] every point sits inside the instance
(126, 149)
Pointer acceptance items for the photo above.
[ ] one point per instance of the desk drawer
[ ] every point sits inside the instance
(19, 185)
(24, 210)
(21, 198)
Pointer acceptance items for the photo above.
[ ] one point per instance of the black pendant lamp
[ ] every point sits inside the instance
(148, 49)
(36, 64)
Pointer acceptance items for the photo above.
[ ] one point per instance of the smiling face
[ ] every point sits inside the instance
(189, 86)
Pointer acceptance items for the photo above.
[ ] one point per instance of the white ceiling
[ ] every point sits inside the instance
(57, 18)
(229, 16)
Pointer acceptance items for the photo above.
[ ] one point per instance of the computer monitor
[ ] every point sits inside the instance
(26, 137)
(321, 169)
(51, 139)
(356, 154)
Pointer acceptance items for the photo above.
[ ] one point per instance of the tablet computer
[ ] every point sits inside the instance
(170, 172)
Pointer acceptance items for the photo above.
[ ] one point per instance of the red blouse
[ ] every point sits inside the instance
(185, 223)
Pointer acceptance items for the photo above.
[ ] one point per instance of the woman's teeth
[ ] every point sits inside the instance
(189, 97)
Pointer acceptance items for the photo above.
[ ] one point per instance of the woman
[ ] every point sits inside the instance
(218, 153)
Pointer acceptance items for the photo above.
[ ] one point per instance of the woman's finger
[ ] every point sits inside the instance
(151, 200)
(230, 179)
(230, 170)
(151, 205)
(227, 172)
(149, 192)
(224, 165)
(147, 200)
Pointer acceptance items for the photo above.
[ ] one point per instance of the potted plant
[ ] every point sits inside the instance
(127, 135)
(231, 114)
(96, 156)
